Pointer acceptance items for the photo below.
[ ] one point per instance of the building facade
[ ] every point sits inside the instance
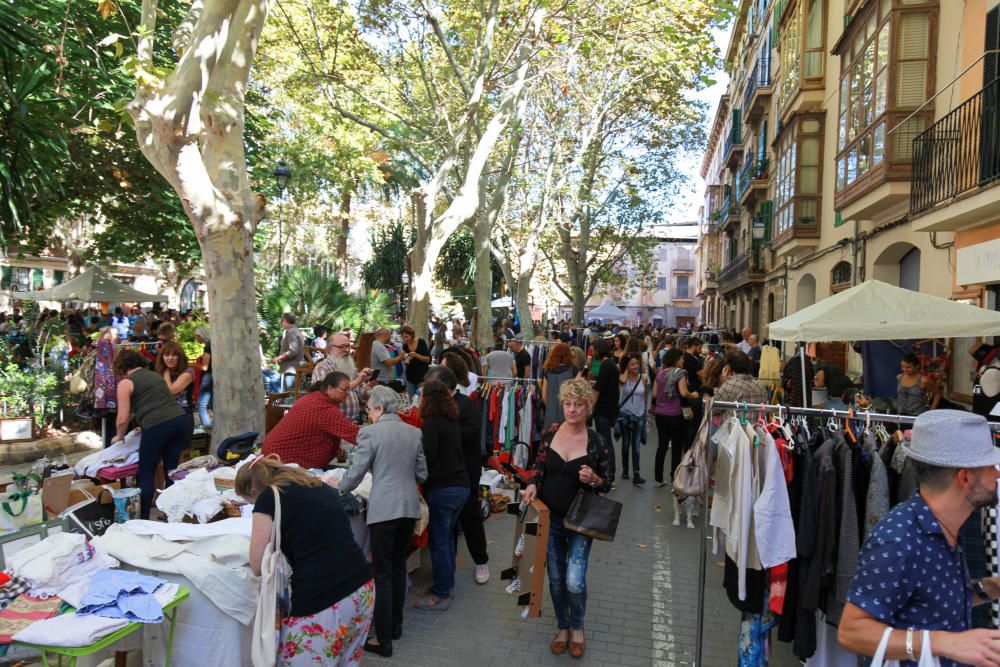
(844, 149)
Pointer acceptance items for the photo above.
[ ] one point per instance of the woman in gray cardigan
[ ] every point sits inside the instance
(391, 449)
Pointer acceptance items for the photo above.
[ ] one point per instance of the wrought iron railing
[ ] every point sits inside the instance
(959, 152)
(734, 138)
(727, 202)
(760, 76)
(743, 178)
(745, 264)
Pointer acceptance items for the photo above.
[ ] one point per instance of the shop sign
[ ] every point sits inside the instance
(979, 264)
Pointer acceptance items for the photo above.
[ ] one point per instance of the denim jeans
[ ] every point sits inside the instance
(631, 430)
(163, 442)
(445, 506)
(568, 555)
(272, 381)
(205, 400)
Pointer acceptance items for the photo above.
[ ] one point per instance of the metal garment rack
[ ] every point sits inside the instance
(781, 411)
(495, 379)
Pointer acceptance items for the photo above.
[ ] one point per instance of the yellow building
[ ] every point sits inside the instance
(857, 139)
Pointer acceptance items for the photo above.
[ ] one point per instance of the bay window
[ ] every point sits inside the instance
(798, 180)
(802, 45)
(885, 71)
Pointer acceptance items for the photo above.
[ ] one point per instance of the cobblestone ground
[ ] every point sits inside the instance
(641, 606)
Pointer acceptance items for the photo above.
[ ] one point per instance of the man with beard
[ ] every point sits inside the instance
(912, 574)
(338, 359)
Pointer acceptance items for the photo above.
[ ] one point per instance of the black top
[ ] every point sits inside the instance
(442, 441)
(523, 360)
(834, 379)
(692, 365)
(208, 351)
(470, 425)
(562, 481)
(316, 538)
(186, 398)
(416, 370)
(608, 381)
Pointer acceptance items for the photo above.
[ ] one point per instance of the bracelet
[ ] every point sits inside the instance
(909, 644)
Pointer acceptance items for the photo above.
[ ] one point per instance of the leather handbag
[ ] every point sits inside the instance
(691, 476)
(594, 516)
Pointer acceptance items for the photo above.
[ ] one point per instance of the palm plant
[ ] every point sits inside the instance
(305, 292)
(368, 312)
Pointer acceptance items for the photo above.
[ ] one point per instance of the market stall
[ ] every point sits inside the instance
(860, 446)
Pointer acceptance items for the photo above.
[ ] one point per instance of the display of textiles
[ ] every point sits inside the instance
(510, 414)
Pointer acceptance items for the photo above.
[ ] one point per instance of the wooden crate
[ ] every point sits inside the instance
(533, 523)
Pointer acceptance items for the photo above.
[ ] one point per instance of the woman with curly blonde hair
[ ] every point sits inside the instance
(571, 457)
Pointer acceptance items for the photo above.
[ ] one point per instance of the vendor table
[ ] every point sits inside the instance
(169, 613)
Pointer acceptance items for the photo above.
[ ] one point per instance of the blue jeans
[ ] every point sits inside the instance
(205, 400)
(163, 442)
(603, 425)
(631, 430)
(568, 555)
(445, 506)
(272, 381)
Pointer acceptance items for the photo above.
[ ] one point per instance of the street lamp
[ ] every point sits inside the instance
(282, 175)
(758, 230)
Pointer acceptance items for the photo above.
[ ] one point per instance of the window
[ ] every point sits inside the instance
(661, 282)
(662, 253)
(883, 41)
(840, 277)
(681, 290)
(797, 175)
(22, 278)
(803, 52)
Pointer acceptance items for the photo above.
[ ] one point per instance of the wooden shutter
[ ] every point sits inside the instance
(5, 277)
(37, 279)
(762, 143)
(991, 63)
(59, 276)
(913, 45)
(765, 216)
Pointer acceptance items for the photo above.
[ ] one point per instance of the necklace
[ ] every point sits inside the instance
(951, 537)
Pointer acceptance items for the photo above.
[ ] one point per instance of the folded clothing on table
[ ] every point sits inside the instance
(57, 561)
(122, 453)
(23, 611)
(123, 594)
(70, 630)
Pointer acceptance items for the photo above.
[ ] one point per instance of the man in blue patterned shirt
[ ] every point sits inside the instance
(911, 572)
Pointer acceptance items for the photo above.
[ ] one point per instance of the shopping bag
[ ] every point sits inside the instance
(275, 600)
(91, 515)
(594, 516)
(127, 503)
(19, 510)
(927, 658)
(691, 476)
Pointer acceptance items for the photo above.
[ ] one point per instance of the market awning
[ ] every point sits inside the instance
(607, 311)
(875, 310)
(92, 285)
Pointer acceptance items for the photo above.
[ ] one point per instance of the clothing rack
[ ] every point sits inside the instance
(496, 379)
(780, 410)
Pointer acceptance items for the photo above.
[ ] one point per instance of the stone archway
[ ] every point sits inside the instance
(805, 292)
(899, 265)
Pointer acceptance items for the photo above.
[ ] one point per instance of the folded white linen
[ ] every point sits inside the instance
(191, 531)
(57, 561)
(180, 499)
(70, 630)
(122, 453)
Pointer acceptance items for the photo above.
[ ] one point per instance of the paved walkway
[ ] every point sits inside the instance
(641, 607)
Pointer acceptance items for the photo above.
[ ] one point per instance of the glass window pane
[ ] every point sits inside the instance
(883, 45)
(810, 152)
(881, 91)
(842, 133)
(864, 154)
(844, 93)
(814, 64)
(884, 8)
(810, 126)
(841, 173)
(852, 165)
(814, 25)
(809, 180)
(807, 212)
(878, 143)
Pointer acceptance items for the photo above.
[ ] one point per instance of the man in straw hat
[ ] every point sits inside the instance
(911, 572)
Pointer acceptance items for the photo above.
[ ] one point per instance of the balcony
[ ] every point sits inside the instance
(730, 211)
(955, 158)
(757, 95)
(733, 150)
(744, 269)
(751, 181)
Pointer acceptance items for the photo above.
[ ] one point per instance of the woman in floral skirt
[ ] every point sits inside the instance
(333, 595)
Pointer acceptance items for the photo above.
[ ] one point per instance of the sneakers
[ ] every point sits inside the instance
(624, 474)
(482, 574)
(433, 603)
(518, 550)
(677, 513)
(637, 479)
(659, 484)
(514, 586)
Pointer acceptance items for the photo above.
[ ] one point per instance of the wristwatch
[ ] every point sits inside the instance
(909, 644)
(979, 589)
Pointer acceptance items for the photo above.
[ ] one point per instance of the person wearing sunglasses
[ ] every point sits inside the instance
(310, 434)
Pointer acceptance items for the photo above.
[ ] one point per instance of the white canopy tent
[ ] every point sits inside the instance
(875, 310)
(502, 302)
(91, 286)
(607, 311)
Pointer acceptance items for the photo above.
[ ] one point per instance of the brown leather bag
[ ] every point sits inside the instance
(691, 476)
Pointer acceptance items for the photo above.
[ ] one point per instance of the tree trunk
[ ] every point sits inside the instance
(238, 390)
(484, 283)
(345, 230)
(579, 301)
(521, 303)
(418, 309)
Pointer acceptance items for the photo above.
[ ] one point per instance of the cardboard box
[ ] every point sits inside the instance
(81, 487)
(529, 567)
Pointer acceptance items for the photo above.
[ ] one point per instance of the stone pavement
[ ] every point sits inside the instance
(641, 606)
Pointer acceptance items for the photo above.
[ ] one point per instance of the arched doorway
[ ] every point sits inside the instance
(755, 317)
(899, 265)
(805, 293)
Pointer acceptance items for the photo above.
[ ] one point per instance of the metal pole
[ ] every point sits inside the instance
(281, 242)
(702, 554)
(802, 365)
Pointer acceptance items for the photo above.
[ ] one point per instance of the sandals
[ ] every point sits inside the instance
(432, 602)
